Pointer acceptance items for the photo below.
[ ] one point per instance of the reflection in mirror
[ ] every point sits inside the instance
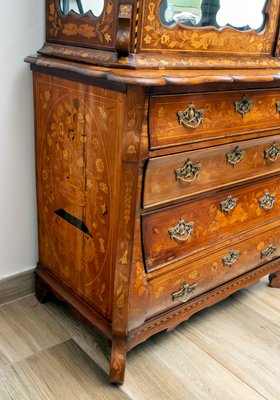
(82, 6)
(239, 14)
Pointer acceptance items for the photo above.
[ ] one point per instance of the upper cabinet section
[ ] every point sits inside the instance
(165, 34)
(212, 26)
(84, 23)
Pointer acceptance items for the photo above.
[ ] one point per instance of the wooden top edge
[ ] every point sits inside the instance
(153, 77)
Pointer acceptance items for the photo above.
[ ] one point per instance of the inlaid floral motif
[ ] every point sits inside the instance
(156, 36)
(100, 28)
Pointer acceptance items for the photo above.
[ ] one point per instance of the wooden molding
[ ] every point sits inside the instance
(16, 286)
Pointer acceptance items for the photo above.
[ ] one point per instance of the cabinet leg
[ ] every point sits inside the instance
(274, 279)
(42, 292)
(118, 358)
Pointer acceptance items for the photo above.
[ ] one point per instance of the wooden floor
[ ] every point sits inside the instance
(229, 351)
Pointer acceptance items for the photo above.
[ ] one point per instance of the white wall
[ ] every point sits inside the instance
(21, 33)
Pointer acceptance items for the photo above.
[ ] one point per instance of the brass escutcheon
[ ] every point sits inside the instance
(267, 201)
(229, 204)
(269, 252)
(277, 106)
(243, 106)
(189, 170)
(236, 156)
(181, 231)
(231, 258)
(184, 293)
(191, 117)
(272, 153)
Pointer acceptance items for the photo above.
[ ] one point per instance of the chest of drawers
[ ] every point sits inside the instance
(143, 219)
(157, 159)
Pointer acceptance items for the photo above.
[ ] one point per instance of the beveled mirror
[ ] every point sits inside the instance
(239, 14)
(93, 7)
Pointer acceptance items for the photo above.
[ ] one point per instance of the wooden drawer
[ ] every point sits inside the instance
(181, 231)
(179, 176)
(211, 271)
(207, 116)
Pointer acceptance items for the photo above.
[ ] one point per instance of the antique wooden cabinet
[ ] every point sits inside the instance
(158, 159)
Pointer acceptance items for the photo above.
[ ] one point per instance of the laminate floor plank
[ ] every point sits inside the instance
(205, 377)
(62, 372)
(243, 341)
(26, 328)
(90, 340)
(262, 299)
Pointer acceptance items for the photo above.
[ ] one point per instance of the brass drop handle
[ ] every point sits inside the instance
(272, 153)
(277, 106)
(243, 106)
(229, 204)
(189, 172)
(184, 293)
(236, 156)
(269, 252)
(231, 258)
(191, 117)
(181, 231)
(267, 201)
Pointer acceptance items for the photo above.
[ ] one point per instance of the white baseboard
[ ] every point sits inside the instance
(16, 286)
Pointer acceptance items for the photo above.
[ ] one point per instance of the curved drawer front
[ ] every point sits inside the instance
(177, 232)
(182, 175)
(182, 119)
(177, 287)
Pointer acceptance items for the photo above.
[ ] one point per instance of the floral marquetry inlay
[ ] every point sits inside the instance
(157, 36)
(97, 31)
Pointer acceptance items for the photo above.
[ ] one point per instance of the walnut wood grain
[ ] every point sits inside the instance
(161, 185)
(210, 223)
(220, 117)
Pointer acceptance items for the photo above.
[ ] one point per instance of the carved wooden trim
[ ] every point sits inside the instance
(157, 77)
(123, 40)
(82, 30)
(156, 37)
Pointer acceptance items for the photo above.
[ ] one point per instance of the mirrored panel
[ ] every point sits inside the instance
(239, 14)
(82, 6)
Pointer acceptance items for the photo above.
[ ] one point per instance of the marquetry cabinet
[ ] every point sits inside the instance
(158, 160)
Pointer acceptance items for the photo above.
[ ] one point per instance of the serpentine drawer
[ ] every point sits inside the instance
(197, 277)
(181, 119)
(179, 176)
(176, 232)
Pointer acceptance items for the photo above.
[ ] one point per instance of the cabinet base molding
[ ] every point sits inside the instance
(48, 286)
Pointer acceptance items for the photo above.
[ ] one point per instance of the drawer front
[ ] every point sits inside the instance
(176, 177)
(181, 231)
(182, 119)
(193, 279)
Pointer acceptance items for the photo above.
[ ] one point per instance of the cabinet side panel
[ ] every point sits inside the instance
(77, 147)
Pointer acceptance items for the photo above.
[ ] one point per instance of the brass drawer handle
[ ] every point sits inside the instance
(189, 170)
(267, 201)
(181, 231)
(277, 106)
(243, 106)
(229, 204)
(269, 252)
(236, 156)
(191, 117)
(231, 258)
(272, 153)
(184, 293)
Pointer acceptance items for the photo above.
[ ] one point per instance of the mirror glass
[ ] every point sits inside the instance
(239, 14)
(82, 6)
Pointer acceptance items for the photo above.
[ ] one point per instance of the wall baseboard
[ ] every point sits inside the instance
(16, 286)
